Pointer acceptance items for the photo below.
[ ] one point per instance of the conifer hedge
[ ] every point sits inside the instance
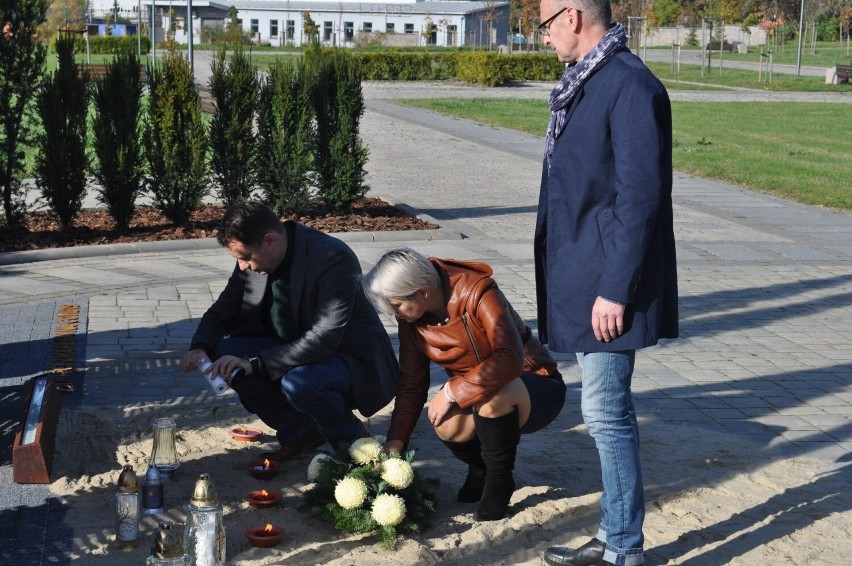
(61, 162)
(287, 134)
(175, 139)
(234, 85)
(21, 72)
(118, 165)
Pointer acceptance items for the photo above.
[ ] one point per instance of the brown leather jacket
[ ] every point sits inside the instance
(483, 346)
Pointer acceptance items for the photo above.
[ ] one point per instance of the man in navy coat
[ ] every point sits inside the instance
(604, 248)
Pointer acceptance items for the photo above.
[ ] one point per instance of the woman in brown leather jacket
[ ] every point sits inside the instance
(502, 382)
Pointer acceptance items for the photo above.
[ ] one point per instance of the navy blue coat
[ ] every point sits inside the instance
(604, 224)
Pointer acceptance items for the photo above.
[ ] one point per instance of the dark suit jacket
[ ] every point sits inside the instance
(332, 315)
(604, 223)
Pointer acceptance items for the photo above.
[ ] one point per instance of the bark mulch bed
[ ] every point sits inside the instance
(95, 226)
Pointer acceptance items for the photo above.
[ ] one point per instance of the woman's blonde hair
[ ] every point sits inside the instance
(398, 274)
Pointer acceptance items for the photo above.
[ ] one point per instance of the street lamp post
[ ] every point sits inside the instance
(139, 30)
(801, 27)
(189, 42)
(152, 32)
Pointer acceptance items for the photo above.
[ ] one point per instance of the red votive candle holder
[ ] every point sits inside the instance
(264, 536)
(261, 499)
(263, 469)
(246, 434)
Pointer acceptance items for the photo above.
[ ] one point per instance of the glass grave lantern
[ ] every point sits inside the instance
(167, 549)
(164, 452)
(127, 509)
(204, 535)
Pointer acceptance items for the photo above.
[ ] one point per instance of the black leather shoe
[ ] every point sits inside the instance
(590, 554)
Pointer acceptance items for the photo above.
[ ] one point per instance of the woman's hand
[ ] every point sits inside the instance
(439, 409)
(393, 447)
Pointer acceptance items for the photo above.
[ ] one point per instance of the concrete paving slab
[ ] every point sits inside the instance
(32, 287)
(90, 276)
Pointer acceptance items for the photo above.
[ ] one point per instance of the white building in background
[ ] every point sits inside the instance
(455, 23)
(279, 22)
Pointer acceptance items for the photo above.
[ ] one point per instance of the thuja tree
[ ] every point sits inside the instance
(285, 132)
(21, 71)
(175, 139)
(234, 85)
(339, 154)
(61, 163)
(347, 149)
(118, 166)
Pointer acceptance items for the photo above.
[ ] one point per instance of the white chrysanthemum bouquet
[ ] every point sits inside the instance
(361, 489)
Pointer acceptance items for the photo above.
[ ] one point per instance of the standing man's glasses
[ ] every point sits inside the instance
(544, 27)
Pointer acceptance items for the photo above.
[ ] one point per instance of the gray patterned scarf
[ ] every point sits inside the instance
(574, 77)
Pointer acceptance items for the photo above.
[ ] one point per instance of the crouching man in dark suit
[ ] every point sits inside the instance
(295, 323)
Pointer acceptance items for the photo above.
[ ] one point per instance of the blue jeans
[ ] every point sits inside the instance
(608, 412)
(318, 393)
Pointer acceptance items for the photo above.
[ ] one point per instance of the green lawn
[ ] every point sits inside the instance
(266, 62)
(826, 54)
(740, 78)
(797, 151)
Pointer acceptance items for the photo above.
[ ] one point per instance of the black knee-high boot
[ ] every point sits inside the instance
(499, 437)
(470, 453)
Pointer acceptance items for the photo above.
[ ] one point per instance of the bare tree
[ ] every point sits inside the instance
(624, 8)
(63, 14)
(527, 14)
(488, 15)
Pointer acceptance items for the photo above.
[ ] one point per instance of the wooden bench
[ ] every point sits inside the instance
(205, 100)
(843, 72)
(97, 71)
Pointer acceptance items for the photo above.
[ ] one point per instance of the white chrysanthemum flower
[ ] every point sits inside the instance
(350, 493)
(397, 473)
(365, 450)
(315, 465)
(388, 510)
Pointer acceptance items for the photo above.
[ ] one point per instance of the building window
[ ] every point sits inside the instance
(368, 27)
(389, 28)
(348, 31)
(409, 28)
(327, 29)
(291, 29)
(255, 26)
(273, 28)
(452, 34)
(431, 31)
